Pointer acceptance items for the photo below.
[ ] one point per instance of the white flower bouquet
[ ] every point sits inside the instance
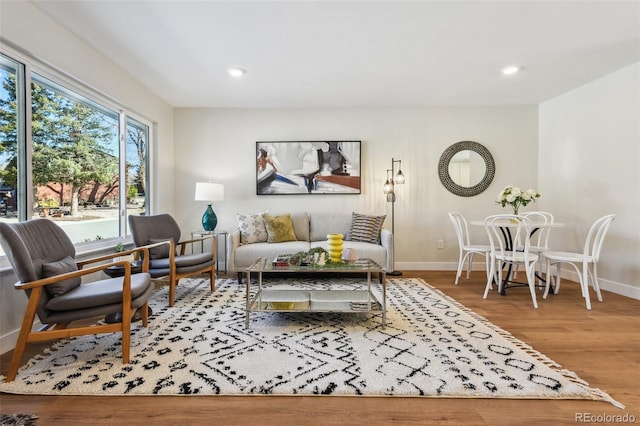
(514, 197)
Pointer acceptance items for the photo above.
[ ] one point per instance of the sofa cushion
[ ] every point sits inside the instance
(300, 221)
(99, 293)
(68, 264)
(186, 260)
(328, 223)
(252, 229)
(279, 228)
(365, 228)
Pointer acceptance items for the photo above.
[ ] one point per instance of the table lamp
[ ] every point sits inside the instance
(207, 191)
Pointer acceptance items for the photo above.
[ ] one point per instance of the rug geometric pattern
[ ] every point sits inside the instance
(431, 346)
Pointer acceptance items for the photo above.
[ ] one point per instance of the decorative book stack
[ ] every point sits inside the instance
(281, 261)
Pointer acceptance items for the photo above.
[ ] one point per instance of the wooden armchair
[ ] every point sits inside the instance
(43, 259)
(170, 260)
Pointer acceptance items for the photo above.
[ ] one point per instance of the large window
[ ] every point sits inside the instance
(76, 158)
(12, 134)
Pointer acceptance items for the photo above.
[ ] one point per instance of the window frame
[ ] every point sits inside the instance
(29, 65)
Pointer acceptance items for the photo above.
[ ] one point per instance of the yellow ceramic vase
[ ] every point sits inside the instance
(334, 246)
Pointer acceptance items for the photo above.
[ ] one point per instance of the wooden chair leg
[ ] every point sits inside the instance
(126, 336)
(18, 351)
(212, 279)
(25, 330)
(145, 314)
(172, 291)
(239, 277)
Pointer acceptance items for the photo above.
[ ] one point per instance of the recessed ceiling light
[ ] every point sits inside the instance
(511, 69)
(236, 72)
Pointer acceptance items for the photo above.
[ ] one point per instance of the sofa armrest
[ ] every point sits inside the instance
(233, 242)
(386, 241)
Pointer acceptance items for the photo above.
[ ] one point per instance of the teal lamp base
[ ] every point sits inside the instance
(209, 219)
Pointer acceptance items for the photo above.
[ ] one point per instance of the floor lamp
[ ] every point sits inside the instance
(393, 179)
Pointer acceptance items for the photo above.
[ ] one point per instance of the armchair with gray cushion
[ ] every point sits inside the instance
(43, 259)
(170, 260)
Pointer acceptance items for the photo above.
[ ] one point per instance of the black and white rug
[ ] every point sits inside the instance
(432, 346)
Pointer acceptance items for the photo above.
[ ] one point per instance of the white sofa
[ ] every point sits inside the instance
(311, 231)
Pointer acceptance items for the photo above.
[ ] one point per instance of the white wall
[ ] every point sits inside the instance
(23, 25)
(219, 145)
(589, 162)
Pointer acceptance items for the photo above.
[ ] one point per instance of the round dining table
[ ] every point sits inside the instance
(505, 228)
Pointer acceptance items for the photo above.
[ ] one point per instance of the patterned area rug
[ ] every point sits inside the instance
(432, 346)
(18, 419)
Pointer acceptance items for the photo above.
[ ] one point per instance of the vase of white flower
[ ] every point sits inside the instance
(515, 198)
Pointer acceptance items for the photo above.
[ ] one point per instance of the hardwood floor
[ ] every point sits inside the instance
(602, 346)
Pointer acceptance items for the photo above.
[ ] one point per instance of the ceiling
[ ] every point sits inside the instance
(357, 53)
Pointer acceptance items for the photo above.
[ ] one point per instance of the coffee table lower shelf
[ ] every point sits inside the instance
(291, 300)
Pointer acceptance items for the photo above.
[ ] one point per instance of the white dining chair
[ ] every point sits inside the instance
(540, 238)
(519, 228)
(585, 263)
(466, 250)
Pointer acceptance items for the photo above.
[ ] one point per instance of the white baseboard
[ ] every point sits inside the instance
(8, 341)
(612, 286)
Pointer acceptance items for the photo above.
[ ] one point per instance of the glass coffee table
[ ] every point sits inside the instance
(359, 298)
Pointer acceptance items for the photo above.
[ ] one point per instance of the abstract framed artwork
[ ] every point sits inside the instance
(308, 167)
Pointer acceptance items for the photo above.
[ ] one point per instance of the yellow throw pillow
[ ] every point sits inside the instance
(279, 228)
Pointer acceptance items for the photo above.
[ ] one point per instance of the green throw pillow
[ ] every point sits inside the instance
(279, 228)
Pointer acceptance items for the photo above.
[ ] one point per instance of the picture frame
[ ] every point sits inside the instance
(308, 167)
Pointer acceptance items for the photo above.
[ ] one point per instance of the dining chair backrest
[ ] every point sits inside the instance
(466, 250)
(461, 228)
(540, 238)
(504, 229)
(595, 237)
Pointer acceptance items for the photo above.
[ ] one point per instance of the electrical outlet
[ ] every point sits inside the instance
(440, 244)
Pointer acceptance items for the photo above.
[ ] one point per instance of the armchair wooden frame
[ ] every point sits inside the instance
(62, 330)
(181, 249)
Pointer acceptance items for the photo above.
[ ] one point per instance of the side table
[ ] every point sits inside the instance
(218, 235)
(118, 271)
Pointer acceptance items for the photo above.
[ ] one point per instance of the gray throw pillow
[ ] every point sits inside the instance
(68, 264)
(160, 252)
